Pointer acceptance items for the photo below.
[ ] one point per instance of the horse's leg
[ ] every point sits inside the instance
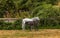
(23, 25)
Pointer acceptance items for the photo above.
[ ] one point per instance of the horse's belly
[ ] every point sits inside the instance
(30, 23)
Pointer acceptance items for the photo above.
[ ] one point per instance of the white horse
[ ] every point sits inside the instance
(30, 21)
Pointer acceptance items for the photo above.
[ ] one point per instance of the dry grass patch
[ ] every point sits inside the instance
(43, 33)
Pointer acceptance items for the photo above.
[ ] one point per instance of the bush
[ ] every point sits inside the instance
(45, 23)
(18, 24)
(10, 26)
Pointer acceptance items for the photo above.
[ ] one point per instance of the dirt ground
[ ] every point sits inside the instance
(42, 33)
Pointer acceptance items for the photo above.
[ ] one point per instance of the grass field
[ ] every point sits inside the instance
(42, 33)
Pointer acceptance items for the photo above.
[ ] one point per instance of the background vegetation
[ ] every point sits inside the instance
(47, 10)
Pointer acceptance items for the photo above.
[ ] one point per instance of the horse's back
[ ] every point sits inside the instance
(27, 19)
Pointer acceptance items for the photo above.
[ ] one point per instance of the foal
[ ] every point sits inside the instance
(33, 22)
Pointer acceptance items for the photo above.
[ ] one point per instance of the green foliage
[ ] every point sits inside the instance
(9, 26)
(46, 10)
